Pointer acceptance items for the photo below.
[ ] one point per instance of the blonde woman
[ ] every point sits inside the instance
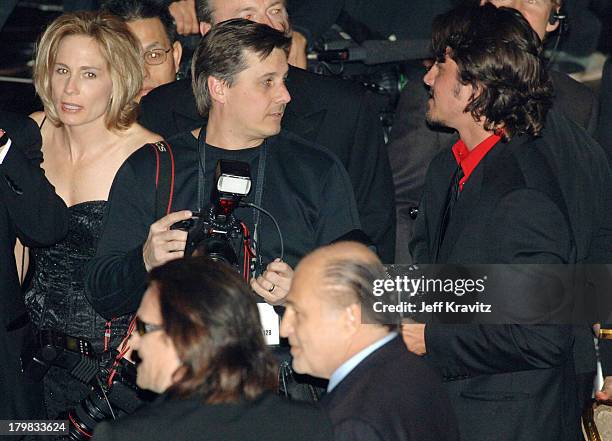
(88, 72)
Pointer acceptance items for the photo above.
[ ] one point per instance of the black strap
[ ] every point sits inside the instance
(164, 178)
(261, 172)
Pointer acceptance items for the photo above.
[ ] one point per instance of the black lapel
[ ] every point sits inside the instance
(436, 204)
(305, 126)
(469, 200)
(463, 210)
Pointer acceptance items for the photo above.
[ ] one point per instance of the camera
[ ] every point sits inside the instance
(52, 348)
(114, 393)
(112, 379)
(215, 231)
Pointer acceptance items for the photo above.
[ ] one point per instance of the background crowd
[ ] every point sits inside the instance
(345, 113)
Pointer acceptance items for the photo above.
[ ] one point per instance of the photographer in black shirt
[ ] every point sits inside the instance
(238, 71)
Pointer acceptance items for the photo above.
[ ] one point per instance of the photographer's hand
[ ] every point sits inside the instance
(273, 285)
(164, 244)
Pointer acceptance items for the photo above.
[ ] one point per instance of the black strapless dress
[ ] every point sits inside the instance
(56, 300)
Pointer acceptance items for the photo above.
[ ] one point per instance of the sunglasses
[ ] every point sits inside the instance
(144, 328)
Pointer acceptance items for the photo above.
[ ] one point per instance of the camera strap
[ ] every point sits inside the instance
(261, 171)
(164, 178)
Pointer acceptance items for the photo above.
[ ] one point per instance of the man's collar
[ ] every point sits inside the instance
(469, 159)
(346, 367)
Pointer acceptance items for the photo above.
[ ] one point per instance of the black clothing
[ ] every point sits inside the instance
(604, 136)
(391, 395)
(305, 188)
(336, 114)
(413, 144)
(405, 20)
(56, 300)
(31, 211)
(575, 101)
(268, 417)
(604, 126)
(513, 381)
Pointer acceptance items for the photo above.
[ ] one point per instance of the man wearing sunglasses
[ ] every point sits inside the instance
(199, 344)
(153, 26)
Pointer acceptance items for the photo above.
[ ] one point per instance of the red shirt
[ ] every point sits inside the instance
(470, 159)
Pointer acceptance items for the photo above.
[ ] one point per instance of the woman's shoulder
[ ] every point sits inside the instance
(38, 117)
(48, 130)
(136, 136)
(142, 135)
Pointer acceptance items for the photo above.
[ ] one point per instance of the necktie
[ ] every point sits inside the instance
(451, 199)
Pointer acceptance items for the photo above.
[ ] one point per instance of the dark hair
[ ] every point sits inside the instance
(221, 54)
(211, 317)
(131, 10)
(502, 58)
(204, 11)
(350, 281)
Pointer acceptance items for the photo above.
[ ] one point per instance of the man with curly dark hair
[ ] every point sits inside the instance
(499, 196)
(413, 143)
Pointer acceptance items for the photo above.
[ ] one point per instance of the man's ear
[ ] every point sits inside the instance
(551, 27)
(216, 89)
(352, 317)
(204, 28)
(177, 54)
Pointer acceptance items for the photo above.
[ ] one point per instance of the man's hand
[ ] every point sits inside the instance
(164, 244)
(414, 337)
(184, 14)
(297, 53)
(273, 285)
(605, 394)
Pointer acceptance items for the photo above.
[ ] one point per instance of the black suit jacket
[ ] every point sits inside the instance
(413, 144)
(268, 418)
(31, 211)
(506, 382)
(336, 114)
(604, 136)
(604, 126)
(391, 395)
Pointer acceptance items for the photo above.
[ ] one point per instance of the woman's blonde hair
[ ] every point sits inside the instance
(119, 48)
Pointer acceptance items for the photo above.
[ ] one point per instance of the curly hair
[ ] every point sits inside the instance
(502, 58)
(118, 46)
(211, 316)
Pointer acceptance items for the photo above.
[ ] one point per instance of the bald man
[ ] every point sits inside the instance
(377, 389)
